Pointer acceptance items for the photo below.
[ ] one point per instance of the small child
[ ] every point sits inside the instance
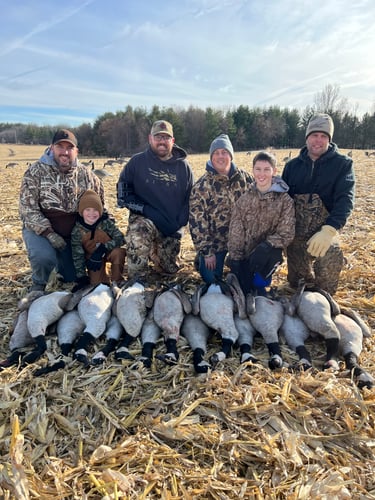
(96, 240)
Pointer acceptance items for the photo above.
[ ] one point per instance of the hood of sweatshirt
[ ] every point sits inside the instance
(278, 186)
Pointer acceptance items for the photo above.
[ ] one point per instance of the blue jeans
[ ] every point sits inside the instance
(44, 258)
(209, 276)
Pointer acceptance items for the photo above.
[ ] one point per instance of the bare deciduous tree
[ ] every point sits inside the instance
(329, 100)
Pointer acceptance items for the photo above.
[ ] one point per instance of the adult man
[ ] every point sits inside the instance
(49, 196)
(211, 202)
(321, 181)
(155, 187)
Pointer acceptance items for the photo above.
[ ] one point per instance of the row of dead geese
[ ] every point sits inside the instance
(124, 314)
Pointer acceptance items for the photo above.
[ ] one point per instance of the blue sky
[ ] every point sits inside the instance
(66, 63)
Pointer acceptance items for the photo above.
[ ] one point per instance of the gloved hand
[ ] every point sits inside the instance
(126, 198)
(137, 208)
(259, 256)
(81, 282)
(265, 259)
(94, 263)
(165, 226)
(56, 241)
(320, 242)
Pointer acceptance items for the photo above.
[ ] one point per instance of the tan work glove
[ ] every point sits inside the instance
(320, 242)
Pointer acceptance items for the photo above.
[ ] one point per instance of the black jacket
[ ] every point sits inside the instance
(331, 177)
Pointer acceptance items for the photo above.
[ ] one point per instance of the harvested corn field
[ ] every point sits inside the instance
(240, 431)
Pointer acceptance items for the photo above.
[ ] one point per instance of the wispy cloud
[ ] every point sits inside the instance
(81, 59)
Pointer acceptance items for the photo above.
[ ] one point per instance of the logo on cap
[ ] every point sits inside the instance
(162, 127)
(64, 135)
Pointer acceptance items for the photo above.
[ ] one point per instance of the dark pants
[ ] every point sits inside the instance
(209, 275)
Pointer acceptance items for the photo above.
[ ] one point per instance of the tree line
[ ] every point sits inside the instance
(125, 132)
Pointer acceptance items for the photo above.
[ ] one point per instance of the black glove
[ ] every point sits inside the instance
(126, 198)
(94, 263)
(165, 226)
(121, 194)
(264, 259)
(81, 283)
(56, 241)
(134, 207)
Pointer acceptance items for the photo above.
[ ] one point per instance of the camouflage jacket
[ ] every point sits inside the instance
(211, 202)
(49, 199)
(85, 239)
(258, 217)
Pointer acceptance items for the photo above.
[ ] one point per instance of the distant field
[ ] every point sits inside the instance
(238, 432)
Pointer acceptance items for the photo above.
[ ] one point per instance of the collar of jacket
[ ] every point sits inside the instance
(92, 227)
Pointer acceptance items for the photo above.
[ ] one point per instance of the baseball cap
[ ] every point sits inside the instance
(162, 127)
(64, 135)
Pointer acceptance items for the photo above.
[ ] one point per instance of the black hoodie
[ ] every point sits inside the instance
(331, 177)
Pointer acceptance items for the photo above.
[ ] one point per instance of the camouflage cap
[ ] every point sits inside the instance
(162, 127)
(64, 135)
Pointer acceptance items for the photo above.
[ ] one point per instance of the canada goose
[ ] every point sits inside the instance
(88, 163)
(287, 158)
(110, 163)
(94, 310)
(100, 172)
(267, 319)
(169, 311)
(130, 309)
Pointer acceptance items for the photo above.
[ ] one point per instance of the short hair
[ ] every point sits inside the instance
(265, 156)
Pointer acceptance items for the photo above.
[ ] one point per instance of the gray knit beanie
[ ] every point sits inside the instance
(222, 141)
(320, 123)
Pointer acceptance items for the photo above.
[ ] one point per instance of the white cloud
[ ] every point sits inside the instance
(91, 57)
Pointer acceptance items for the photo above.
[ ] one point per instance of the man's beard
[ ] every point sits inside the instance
(65, 167)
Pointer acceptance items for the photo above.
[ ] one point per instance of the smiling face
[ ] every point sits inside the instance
(161, 145)
(263, 171)
(90, 215)
(65, 155)
(317, 144)
(221, 161)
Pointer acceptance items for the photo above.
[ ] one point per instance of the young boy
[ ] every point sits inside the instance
(96, 240)
(262, 225)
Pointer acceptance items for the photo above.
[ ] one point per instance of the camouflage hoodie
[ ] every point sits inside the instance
(49, 199)
(258, 217)
(211, 202)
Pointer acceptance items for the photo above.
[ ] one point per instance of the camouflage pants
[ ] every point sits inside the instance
(323, 272)
(145, 243)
